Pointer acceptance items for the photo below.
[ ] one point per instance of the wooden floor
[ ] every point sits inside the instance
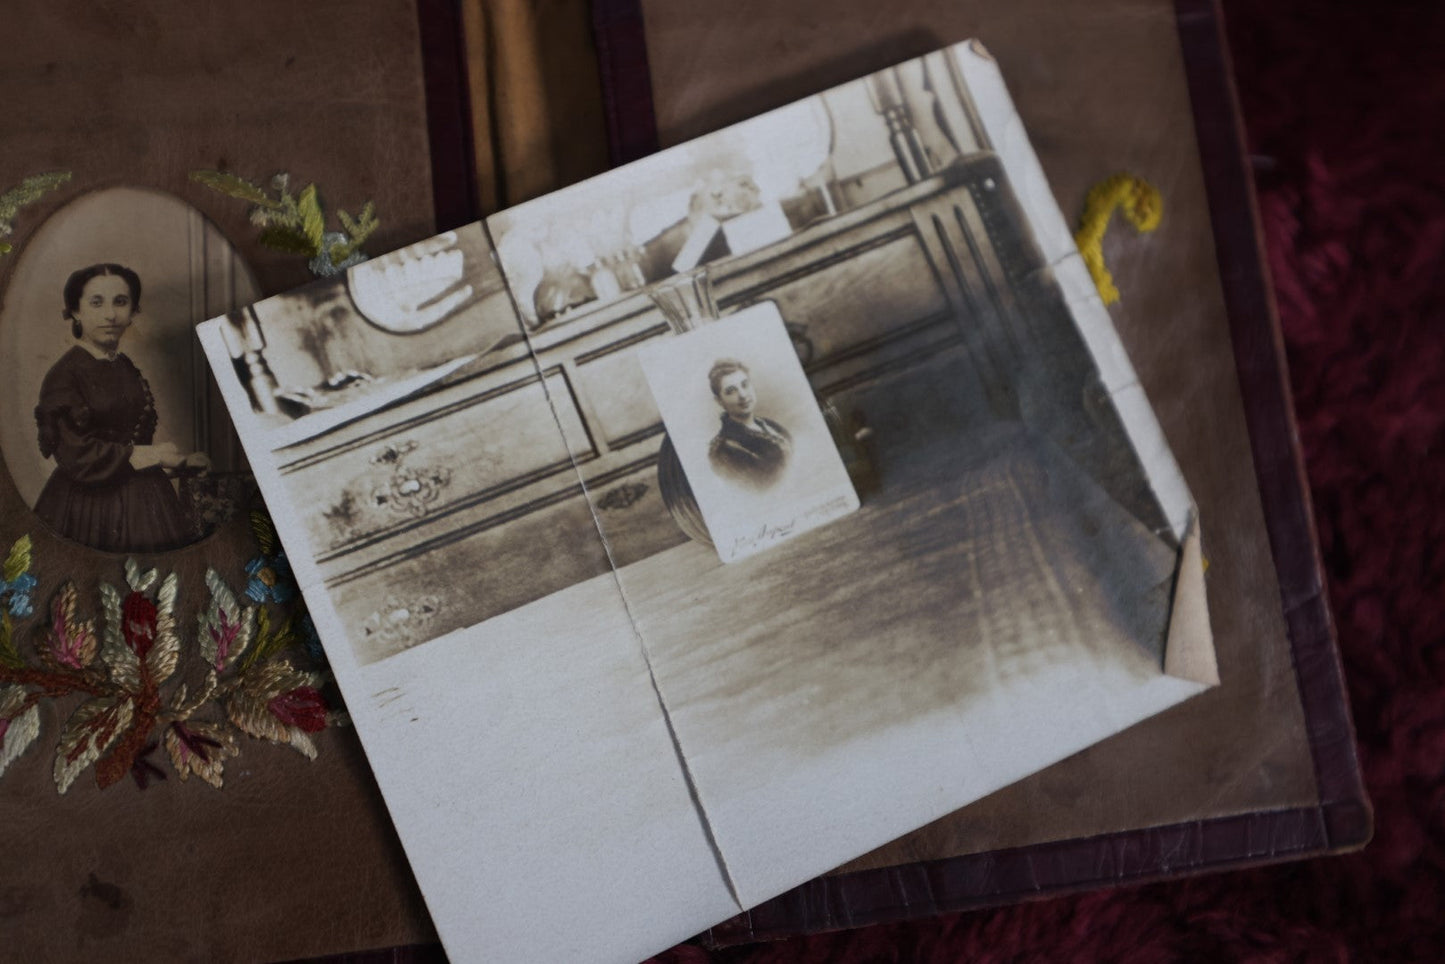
(977, 566)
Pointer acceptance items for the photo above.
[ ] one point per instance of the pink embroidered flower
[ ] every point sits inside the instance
(304, 708)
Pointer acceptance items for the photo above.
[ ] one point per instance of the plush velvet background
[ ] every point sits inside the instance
(1342, 105)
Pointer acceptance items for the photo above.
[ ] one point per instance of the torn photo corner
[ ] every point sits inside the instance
(684, 534)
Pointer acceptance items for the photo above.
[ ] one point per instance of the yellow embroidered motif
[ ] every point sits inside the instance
(1140, 203)
(26, 192)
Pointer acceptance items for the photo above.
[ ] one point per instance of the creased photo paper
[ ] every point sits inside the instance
(684, 534)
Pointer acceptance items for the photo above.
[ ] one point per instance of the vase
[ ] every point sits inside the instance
(686, 301)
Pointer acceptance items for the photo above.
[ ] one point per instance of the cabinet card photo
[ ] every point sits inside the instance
(752, 441)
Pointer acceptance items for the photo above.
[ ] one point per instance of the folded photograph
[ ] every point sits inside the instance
(746, 432)
(795, 470)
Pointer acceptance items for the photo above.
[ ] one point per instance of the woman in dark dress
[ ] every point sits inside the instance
(97, 418)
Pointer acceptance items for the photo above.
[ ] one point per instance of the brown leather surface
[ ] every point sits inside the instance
(291, 858)
(1101, 88)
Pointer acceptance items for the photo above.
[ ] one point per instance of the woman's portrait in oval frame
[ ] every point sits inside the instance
(112, 431)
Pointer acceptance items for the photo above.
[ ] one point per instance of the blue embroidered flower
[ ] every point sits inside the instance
(16, 594)
(270, 579)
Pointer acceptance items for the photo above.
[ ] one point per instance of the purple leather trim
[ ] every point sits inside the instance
(1274, 438)
(454, 188)
(626, 84)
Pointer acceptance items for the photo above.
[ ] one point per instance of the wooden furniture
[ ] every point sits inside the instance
(474, 476)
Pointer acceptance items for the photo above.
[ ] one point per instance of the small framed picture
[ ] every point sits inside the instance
(748, 431)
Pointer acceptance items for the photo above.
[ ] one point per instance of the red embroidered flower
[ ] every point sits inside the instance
(304, 708)
(139, 624)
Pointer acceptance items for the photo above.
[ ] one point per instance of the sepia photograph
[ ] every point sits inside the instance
(825, 347)
(1016, 540)
(790, 464)
(116, 437)
(750, 437)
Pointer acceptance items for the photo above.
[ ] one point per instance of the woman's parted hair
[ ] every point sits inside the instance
(722, 368)
(75, 284)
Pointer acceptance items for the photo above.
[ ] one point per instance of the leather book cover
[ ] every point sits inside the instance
(110, 109)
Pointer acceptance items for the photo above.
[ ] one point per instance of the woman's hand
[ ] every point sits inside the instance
(170, 458)
(197, 462)
(166, 455)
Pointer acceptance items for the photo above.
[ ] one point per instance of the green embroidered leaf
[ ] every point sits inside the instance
(233, 186)
(313, 221)
(9, 655)
(5, 247)
(366, 226)
(137, 580)
(88, 733)
(29, 191)
(225, 627)
(267, 643)
(19, 731)
(347, 224)
(264, 531)
(288, 241)
(17, 561)
(357, 230)
(122, 661)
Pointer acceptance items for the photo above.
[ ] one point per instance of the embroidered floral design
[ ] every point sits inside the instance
(271, 580)
(16, 585)
(243, 675)
(26, 192)
(297, 224)
(16, 582)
